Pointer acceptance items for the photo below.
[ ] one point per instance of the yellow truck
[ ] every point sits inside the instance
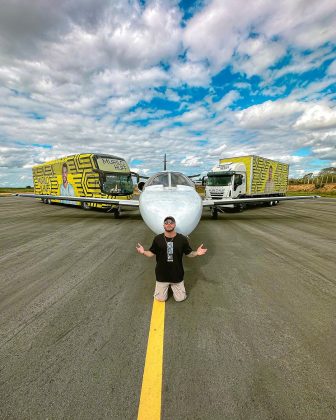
(84, 175)
(247, 177)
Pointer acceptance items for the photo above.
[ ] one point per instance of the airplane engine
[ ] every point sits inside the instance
(140, 186)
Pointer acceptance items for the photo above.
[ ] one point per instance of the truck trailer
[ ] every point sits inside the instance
(246, 177)
(84, 175)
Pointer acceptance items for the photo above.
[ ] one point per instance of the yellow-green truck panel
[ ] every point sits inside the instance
(84, 175)
(263, 176)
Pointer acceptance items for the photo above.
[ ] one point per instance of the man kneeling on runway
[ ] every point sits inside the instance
(169, 248)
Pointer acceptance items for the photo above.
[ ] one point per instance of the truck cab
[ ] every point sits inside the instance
(226, 181)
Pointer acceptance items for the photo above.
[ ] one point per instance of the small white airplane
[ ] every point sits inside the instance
(169, 193)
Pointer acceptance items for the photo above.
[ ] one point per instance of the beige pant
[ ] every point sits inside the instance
(161, 291)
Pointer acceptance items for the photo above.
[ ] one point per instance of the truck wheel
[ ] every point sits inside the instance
(85, 206)
(214, 213)
(116, 213)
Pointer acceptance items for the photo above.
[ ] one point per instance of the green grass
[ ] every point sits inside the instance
(15, 190)
(331, 194)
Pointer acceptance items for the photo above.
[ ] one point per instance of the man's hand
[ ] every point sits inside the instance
(201, 251)
(140, 249)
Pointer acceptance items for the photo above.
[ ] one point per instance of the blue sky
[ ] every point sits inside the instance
(197, 80)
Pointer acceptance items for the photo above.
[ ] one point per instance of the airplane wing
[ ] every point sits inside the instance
(112, 201)
(138, 176)
(230, 201)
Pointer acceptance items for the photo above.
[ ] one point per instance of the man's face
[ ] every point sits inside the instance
(169, 225)
(64, 175)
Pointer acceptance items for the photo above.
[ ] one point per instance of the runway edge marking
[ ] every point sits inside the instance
(151, 390)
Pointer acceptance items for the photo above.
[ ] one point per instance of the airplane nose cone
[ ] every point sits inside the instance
(184, 205)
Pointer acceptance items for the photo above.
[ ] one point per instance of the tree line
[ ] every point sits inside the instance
(325, 176)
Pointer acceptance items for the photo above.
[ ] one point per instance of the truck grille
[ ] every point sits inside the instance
(216, 196)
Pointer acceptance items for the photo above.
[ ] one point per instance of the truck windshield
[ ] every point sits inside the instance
(117, 184)
(219, 180)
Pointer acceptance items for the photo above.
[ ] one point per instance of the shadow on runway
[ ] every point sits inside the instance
(245, 217)
(255, 213)
(64, 212)
(95, 215)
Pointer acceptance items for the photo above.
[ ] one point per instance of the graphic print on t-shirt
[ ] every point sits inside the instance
(170, 251)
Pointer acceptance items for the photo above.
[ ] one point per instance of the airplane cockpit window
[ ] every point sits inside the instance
(169, 179)
(180, 179)
(161, 179)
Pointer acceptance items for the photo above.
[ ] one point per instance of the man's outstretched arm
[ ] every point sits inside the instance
(200, 251)
(141, 250)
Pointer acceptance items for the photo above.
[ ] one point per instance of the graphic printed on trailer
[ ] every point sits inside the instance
(84, 175)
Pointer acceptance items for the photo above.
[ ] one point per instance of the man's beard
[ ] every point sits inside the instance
(169, 229)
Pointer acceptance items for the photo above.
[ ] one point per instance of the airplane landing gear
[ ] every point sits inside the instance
(239, 208)
(214, 212)
(115, 210)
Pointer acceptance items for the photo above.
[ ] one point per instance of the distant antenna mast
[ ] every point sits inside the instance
(165, 163)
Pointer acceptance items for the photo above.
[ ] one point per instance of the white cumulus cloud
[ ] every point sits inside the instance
(192, 161)
(270, 114)
(317, 116)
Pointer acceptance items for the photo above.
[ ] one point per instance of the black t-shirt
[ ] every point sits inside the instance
(169, 253)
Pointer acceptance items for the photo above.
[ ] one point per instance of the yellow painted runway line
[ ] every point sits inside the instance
(150, 399)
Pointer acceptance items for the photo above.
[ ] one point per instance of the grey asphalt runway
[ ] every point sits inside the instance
(254, 340)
